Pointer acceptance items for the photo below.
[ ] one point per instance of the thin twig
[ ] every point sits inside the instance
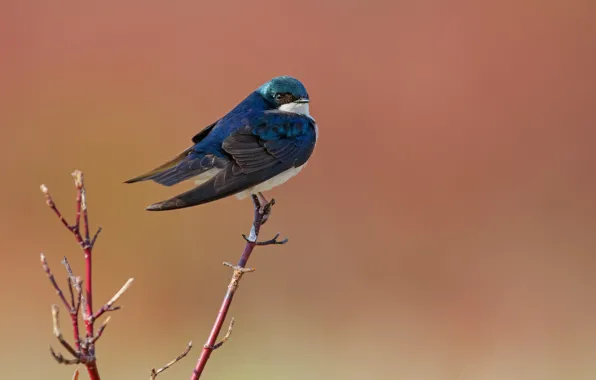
(92, 244)
(100, 330)
(72, 300)
(109, 305)
(268, 242)
(77, 285)
(155, 372)
(58, 333)
(46, 268)
(52, 205)
(62, 360)
(69, 272)
(225, 339)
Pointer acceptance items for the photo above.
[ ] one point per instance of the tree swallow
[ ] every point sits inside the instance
(261, 143)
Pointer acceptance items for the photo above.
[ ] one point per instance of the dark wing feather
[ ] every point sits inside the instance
(201, 135)
(185, 165)
(248, 151)
(269, 146)
(164, 168)
(194, 164)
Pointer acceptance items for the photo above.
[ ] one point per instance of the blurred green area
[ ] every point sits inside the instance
(444, 228)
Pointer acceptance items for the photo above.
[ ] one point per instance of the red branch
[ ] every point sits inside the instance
(261, 214)
(84, 349)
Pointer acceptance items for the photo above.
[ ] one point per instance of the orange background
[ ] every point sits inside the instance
(444, 228)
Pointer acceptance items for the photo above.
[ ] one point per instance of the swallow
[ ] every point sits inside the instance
(261, 143)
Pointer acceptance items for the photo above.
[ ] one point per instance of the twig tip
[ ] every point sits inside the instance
(56, 321)
(118, 294)
(78, 176)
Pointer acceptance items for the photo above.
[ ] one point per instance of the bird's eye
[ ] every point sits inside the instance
(284, 97)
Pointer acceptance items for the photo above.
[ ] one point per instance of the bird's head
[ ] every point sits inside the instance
(286, 94)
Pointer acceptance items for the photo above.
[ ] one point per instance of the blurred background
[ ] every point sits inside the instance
(444, 228)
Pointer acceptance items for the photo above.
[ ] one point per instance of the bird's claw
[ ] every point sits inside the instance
(265, 210)
(263, 207)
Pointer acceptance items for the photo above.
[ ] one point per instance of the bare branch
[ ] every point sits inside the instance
(72, 300)
(92, 244)
(78, 285)
(155, 372)
(81, 202)
(69, 272)
(50, 202)
(225, 339)
(84, 350)
(62, 360)
(109, 305)
(58, 333)
(46, 268)
(267, 242)
(262, 211)
(100, 331)
(238, 268)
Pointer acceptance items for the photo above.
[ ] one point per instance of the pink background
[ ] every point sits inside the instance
(444, 228)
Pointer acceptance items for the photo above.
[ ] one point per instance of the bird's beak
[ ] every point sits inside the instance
(302, 100)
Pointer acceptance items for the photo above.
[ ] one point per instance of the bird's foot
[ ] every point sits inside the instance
(262, 213)
(264, 207)
(262, 199)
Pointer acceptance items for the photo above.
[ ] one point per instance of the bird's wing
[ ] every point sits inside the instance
(185, 165)
(201, 135)
(262, 149)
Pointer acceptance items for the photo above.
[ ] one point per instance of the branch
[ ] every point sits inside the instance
(72, 308)
(58, 333)
(84, 348)
(100, 330)
(262, 211)
(155, 372)
(272, 241)
(46, 268)
(225, 339)
(109, 305)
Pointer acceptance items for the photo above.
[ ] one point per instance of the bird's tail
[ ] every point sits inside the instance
(223, 184)
(204, 193)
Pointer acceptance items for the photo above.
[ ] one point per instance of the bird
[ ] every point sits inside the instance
(265, 140)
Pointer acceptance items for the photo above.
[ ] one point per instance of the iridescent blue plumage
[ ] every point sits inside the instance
(268, 133)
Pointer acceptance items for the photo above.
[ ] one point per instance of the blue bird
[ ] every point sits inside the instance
(261, 143)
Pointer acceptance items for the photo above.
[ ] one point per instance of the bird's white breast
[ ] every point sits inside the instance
(300, 109)
(271, 182)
